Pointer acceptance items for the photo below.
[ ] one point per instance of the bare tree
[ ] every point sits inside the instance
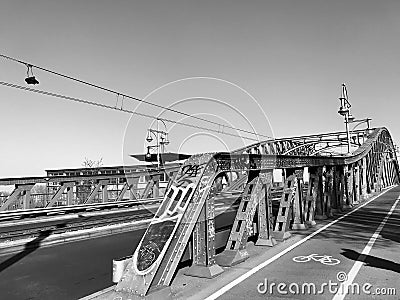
(83, 190)
(88, 163)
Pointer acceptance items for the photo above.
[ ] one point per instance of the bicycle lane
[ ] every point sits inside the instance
(379, 274)
(298, 279)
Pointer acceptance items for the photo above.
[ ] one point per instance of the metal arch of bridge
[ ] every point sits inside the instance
(304, 145)
(312, 149)
(188, 205)
(327, 147)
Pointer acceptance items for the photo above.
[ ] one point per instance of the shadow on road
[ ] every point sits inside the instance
(371, 261)
(29, 248)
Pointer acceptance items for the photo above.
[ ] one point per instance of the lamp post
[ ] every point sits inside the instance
(344, 111)
(161, 141)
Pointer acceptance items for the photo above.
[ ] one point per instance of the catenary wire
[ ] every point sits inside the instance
(16, 86)
(130, 97)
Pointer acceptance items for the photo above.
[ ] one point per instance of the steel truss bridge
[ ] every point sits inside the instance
(185, 213)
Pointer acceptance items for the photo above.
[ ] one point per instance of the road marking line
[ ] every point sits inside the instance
(344, 287)
(246, 275)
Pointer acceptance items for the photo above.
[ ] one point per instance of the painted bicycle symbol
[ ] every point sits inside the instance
(323, 259)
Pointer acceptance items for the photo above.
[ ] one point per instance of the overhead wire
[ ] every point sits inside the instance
(128, 96)
(16, 86)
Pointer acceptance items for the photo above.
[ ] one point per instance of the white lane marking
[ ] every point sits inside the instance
(323, 259)
(246, 275)
(344, 287)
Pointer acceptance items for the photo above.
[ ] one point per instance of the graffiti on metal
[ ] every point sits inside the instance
(153, 243)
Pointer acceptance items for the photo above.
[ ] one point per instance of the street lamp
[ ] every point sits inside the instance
(344, 111)
(161, 141)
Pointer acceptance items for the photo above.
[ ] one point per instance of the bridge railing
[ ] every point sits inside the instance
(56, 191)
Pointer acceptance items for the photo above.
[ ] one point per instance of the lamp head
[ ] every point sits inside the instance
(149, 138)
(147, 157)
(343, 110)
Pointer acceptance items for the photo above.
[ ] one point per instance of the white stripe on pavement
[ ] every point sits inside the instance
(246, 275)
(344, 287)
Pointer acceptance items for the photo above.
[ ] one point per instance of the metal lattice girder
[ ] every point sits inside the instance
(100, 184)
(132, 185)
(282, 223)
(335, 189)
(320, 204)
(348, 201)
(311, 197)
(298, 214)
(204, 263)
(237, 184)
(382, 172)
(265, 216)
(24, 191)
(368, 170)
(328, 192)
(342, 191)
(156, 186)
(235, 249)
(152, 188)
(392, 173)
(64, 186)
(356, 184)
(364, 184)
(126, 187)
(148, 189)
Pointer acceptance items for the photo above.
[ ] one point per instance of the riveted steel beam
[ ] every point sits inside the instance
(21, 191)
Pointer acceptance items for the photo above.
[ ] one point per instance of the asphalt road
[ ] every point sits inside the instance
(361, 246)
(66, 271)
(72, 270)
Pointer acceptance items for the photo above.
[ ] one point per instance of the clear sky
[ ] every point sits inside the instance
(291, 56)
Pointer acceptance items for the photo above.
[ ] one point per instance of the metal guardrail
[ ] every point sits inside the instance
(38, 212)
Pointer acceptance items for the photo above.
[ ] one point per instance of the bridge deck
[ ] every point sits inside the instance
(344, 239)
